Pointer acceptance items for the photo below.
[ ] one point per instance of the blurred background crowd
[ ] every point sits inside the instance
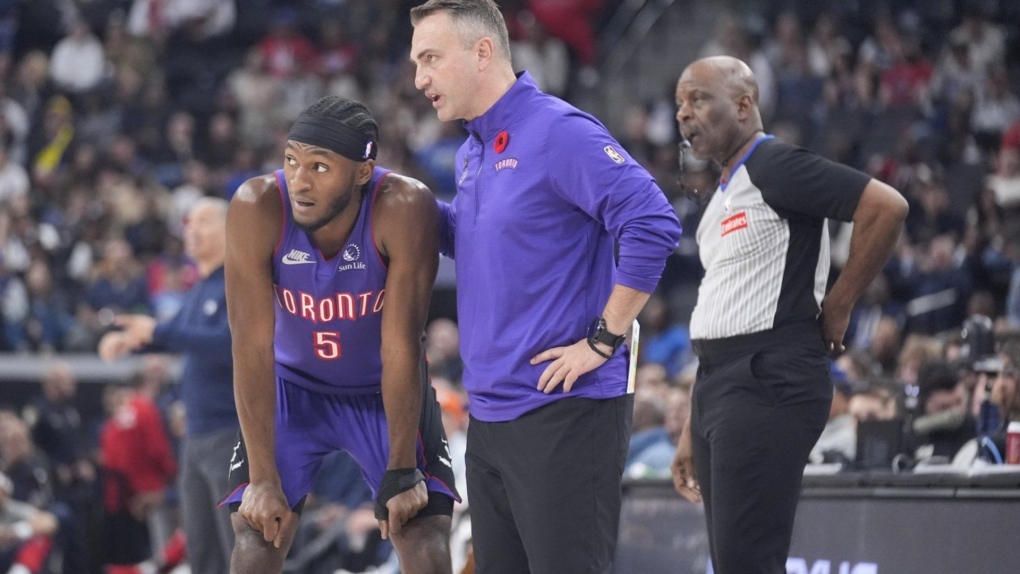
(117, 115)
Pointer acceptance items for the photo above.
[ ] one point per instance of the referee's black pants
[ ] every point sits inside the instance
(758, 407)
(544, 489)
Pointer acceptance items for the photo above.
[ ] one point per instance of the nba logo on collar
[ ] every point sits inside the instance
(351, 258)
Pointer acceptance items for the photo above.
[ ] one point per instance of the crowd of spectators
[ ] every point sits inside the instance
(923, 97)
(116, 115)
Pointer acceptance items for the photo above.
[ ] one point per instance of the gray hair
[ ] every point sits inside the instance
(475, 19)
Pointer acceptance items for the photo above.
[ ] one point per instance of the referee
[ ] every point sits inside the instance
(763, 324)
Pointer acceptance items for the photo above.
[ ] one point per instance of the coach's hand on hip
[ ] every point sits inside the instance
(685, 479)
(570, 363)
(264, 507)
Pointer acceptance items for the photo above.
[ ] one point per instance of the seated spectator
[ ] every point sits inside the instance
(985, 41)
(651, 378)
(653, 461)
(13, 177)
(339, 53)
(935, 216)
(649, 423)
(25, 465)
(995, 108)
(940, 287)
(885, 345)
(442, 346)
(868, 312)
(1004, 183)
(838, 442)
(118, 286)
(78, 63)
(58, 430)
(257, 95)
(944, 425)
(25, 533)
(544, 56)
(996, 403)
(285, 49)
(917, 351)
(873, 402)
(904, 84)
(48, 324)
(49, 142)
(664, 341)
(955, 73)
(137, 465)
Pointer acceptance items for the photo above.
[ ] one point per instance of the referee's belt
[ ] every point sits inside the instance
(800, 333)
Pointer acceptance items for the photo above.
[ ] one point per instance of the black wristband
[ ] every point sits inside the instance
(395, 482)
(598, 350)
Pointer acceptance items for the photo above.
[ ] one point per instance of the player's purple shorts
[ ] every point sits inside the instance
(310, 425)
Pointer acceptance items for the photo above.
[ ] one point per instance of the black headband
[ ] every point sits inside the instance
(334, 135)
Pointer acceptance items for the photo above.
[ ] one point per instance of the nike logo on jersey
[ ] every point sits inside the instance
(296, 257)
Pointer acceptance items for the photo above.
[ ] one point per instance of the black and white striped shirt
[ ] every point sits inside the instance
(764, 241)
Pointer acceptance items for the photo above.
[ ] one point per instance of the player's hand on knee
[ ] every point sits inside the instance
(264, 507)
(401, 496)
(685, 479)
(404, 507)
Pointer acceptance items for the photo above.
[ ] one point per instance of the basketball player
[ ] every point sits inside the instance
(329, 269)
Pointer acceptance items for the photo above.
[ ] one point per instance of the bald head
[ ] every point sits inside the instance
(732, 74)
(717, 106)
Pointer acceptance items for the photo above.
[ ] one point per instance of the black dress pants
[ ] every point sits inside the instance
(758, 407)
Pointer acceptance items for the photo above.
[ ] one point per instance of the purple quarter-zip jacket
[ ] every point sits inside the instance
(543, 194)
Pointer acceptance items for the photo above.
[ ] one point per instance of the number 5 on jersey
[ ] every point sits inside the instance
(327, 345)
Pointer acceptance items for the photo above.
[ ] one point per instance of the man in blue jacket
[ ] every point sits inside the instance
(544, 194)
(200, 333)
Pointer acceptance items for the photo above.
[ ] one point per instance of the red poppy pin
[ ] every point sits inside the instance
(501, 141)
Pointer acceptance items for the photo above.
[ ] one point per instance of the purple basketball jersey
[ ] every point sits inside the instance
(329, 311)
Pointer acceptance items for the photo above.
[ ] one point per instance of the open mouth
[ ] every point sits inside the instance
(302, 205)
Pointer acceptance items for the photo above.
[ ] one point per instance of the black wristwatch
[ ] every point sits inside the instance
(597, 333)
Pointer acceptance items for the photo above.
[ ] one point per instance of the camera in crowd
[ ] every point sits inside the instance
(957, 412)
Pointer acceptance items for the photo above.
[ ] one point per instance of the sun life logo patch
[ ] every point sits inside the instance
(351, 254)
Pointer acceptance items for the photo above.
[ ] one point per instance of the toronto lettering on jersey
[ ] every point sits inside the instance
(337, 307)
